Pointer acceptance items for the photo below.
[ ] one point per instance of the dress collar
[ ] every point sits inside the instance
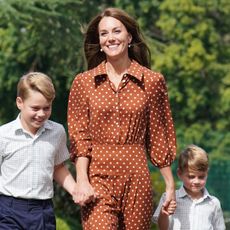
(135, 70)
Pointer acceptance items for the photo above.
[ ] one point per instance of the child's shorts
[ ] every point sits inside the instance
(30, 214)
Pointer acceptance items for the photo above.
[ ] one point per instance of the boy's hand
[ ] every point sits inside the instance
(169, 209)
(169, 206)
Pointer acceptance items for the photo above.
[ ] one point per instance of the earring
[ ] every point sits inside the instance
(101, 50)
(129, 45)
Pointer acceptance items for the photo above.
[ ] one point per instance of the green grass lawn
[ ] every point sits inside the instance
(67, 224)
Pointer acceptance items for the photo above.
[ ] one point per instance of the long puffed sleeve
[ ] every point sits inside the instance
(161, 139)
(78, 119)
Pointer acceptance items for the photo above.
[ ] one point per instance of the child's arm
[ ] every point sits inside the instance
(163, 219)
(64, 178)
(218, 218)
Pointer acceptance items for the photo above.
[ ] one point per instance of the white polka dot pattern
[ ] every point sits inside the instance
(117, 129)
(126, 203)
(138, 113)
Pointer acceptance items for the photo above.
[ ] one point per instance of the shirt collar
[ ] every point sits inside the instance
(18, 125)
(182, 193)
(135, 70)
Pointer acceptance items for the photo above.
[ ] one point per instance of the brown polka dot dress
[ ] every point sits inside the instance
(118, 130)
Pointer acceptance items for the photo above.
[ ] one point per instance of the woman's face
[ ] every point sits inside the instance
(114, 38)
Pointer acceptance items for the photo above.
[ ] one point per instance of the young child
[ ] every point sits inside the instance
(196, 208)
(32, 152)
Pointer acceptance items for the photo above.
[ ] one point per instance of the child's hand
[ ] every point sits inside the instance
(84, 193)
(170, 208)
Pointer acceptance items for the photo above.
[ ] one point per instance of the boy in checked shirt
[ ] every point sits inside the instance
(196, 209)
(32, 152)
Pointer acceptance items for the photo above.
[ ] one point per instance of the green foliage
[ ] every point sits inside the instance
(67, 223)
(41, 36)
(61, 224)
(190, 45)
(32, 34)
(191, 58)
(227, 220)
(218, 179)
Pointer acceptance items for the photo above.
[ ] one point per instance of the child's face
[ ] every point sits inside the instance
(194, 182)
(35, 110)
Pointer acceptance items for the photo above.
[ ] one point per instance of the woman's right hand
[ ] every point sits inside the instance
(84, 193)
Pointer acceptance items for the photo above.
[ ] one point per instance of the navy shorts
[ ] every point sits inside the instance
(26, 214)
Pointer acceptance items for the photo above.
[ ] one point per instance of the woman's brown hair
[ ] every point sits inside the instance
(138, 50)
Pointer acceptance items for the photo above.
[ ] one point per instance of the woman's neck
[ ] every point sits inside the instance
(116, 70)
(117, 67)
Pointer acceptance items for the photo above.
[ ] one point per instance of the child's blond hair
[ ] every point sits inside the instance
(193, 158)
(36, 81)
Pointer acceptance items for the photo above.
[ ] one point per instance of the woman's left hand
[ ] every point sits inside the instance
(169, 206)
(170, 200)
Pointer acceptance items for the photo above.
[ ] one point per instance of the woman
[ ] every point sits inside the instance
(118, 111)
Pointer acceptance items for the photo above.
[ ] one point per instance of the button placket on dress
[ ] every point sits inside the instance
(117, 93)
(117, 115)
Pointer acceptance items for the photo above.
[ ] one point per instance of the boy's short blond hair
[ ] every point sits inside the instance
(193, 158)
(36, 81)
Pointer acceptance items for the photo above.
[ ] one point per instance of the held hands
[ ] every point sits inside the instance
(169, 206)
(84, 193)
(169, 209)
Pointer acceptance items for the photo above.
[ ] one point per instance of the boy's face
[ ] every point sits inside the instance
(194, 182)
(35, 110)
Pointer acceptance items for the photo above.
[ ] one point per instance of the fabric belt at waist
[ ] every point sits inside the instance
(118, 159)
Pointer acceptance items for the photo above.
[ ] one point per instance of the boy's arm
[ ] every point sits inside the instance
(64, 178)
(161, 215)
(218, 219)
(163, 221)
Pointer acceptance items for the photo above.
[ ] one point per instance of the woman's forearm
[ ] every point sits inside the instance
(166, 172)
(163, 220)
(82, 164)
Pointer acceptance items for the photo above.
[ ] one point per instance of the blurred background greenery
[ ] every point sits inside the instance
(190, 44)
